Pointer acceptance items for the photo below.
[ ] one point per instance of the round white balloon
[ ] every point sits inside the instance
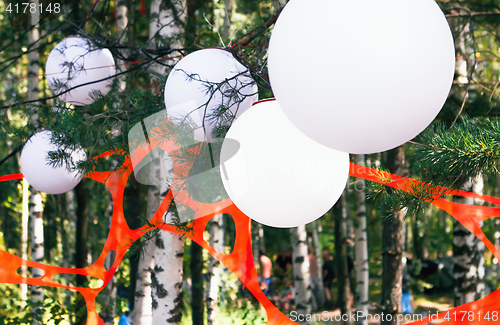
(374, 75)
(192, 91)
(76, 61)
(279, 177)
(42, 176)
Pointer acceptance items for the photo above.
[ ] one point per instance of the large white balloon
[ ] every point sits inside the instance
(192, 91)
(280, 177)
(42, 176)
(76, 61)
(361, 76)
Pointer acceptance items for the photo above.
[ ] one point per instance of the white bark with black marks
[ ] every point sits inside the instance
(143, 312)
(213, 283)
(319, 262)
(37, 245)
(362, 265)
(301, 275)
(468, 253)
(37, 249)
(166, 278)
(24, 237)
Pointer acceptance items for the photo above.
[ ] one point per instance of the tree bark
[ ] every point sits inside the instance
(196, 264)
(392, 248)
(82, 217)
(37, 251)
(301, 276)
(67, 239)
(255, 242)
(226, 31)
(142, 312)
(166, 28)
(468, 254)
(319, 264)
(143, 298)
(37, 294)
(166, 278)
(81, 249)
(109, 312)
(362, 262)
(213, 283)
(24, 237)
(343, 280)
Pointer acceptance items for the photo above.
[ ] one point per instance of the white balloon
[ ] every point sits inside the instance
(76, 61)
(361, 76)
(187, 91)
(280, 177)
(42, 176)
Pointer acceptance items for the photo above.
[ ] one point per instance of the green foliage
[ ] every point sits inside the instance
(450, 157)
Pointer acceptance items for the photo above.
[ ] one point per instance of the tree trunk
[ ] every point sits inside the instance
(37, 212)
(343, 280)
(37, 251)
(142, 312)
(143, 298)
(301, 276)
(468, 253)
(196, 264)
(255, 242)
(226, 31)
(166, 278)
(68, 241)
(82, 217)
(362, 262)
(213, 283)
(109, 312)
(81, 251)
(320, 290)
(392, 249)
(418, 237)
(24, 237)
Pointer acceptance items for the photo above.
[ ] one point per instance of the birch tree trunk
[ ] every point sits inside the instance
(24, 237)
(301, 276)
(166, 278)
(392, 249)
(468, 253)
(196, 265)
(142, 312)
(81, 243)
(344, 286)
(37, 294)
(108, 313)
(319, 264)
(67, 241)
(37, 250)
(213, 283)
(255, 229)
(226, 31)
(143, 298)
(362, 265)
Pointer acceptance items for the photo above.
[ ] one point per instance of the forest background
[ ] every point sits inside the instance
(147, 38)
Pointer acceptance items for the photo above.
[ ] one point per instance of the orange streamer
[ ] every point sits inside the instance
(240, 260)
